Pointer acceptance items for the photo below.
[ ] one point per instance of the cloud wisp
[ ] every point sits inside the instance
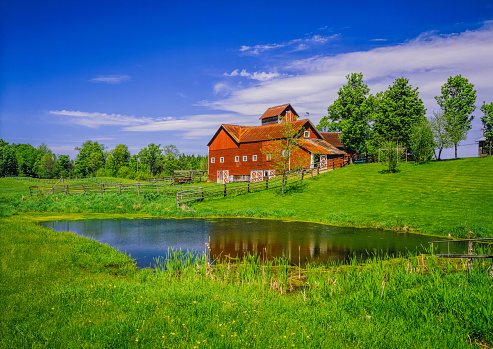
(292, 45)
(258, 75)
(111, 79)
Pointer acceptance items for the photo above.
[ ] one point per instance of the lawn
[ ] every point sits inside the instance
(59, 290)
(441, 198)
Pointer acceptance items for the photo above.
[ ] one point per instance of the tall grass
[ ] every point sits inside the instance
(61, 290)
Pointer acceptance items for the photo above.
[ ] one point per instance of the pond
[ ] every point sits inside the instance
(146, 239)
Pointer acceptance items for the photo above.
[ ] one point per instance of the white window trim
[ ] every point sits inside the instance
(245, 157)
(306, 134)
(237, 159)
(268, 157)
(254, 157)
(213, 160)
(221, 159)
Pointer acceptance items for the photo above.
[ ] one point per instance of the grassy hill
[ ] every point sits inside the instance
(447, 197)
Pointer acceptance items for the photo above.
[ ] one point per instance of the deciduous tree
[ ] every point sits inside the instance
(421, 141)
(152, 156)
(285, 154)
(457, 102)
(351, 114)
(398, 110)
(8, 160)
(441, 137)
(487, 121)
(90, 158)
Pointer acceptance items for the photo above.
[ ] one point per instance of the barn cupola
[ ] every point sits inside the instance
(275, 115)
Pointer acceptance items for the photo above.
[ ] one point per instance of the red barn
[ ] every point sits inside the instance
(235, 152)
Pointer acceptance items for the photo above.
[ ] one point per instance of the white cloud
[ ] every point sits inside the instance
(95, 119)
(427, 61)
(260, 76)
(111, 79)
(295, 44)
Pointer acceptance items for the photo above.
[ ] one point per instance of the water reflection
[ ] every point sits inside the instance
(146, 239)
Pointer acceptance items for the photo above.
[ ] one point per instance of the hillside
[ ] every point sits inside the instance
(447, 197)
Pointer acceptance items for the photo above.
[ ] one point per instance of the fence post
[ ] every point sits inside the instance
(101, 188)
(224, 189)
(84, 188)
(469, 252)
(249, 187)
(267, 182)
(157, 188)
(138, 189)
(120, 188)
(318, 169)
(177, 201)
(202, 193)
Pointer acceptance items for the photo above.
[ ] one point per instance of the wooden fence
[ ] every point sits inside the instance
(101, 188)
(184, 194)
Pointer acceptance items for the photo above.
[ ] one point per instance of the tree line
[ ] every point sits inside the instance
(396, 118)
(94, 160)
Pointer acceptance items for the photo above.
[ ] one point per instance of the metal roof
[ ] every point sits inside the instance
(278, 110)
(333, 138)
(319, 146)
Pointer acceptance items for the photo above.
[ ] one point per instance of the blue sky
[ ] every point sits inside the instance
(137, 72)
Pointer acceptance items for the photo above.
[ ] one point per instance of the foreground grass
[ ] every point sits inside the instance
(59, 290)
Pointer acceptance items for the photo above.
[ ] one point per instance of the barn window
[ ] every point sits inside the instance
(221, 159)
(268, 157)
(213, 160)
(245, 158)
(307, 134)
(254, 158)
(237, 158)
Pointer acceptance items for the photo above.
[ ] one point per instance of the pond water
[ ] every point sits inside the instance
(146, 239)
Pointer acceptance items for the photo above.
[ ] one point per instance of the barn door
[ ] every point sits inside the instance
(223, 176)
(257, 176)
(271, 173)
(323, 162)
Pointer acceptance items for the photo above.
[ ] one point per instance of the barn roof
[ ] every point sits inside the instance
(319, 146)
(333, 138)
(247, 134)
(278, 110)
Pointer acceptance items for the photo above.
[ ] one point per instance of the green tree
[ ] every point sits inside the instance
(27, 155)
(421, 142)
(457, 102)
(47, 167)
(487, 121)
(389, 154)
(351, 114)
(285, 153)
(8, 160)
(117, 158)
(398, 110)
(441, 137)
(65, 166)
(152, 156)
(90, 158)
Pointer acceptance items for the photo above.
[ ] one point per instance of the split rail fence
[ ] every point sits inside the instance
(185, 194)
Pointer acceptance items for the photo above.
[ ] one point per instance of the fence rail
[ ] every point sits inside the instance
(185, 194)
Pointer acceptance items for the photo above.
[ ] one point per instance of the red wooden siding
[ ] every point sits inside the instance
(222, 141)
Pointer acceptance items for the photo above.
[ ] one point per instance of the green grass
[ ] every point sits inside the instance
(59, 290)
(441, 198)
(437, 198)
